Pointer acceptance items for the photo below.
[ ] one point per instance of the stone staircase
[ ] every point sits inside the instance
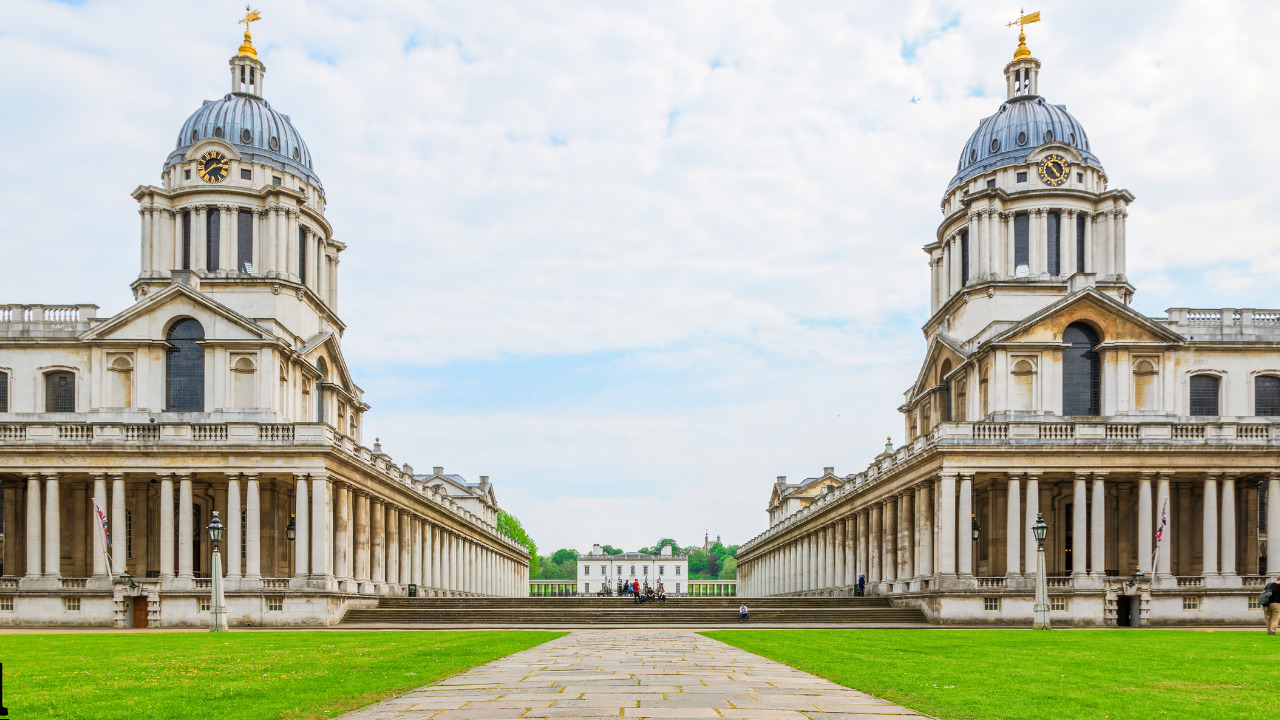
(613, 611)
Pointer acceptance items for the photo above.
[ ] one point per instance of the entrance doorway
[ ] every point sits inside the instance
(136, 613)
(1124, 611)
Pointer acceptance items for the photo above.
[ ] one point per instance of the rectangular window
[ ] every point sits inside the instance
(586, 587)
(128, 534)
(186, 239)
(991, 183)
(1021, 248)
(1058, 604)
(633, 571)
(1080, 223)
(1253, 603)
(246, 174)
(586, 570)
(186, 174)
(1204, 395)
(1079, 177)
(275, 604)
(677, 587)
(964, 257)
(604, 571)
(302, 255)
(244, 241)
(4, 392)
(646, 571)
(1266, 395)
(205, 604)
(60, 392)
(991, 603)
(71, 604)
(662, 569)
(275, 180)
(6, 603)
(1022, 177)
(677, 574)
(1055, 246)
(212, 238)
(1190, 603)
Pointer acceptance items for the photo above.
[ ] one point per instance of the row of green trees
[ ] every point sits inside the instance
(719, 562)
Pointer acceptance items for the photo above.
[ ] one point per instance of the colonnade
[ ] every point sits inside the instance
(1100, 524)
(344, 539)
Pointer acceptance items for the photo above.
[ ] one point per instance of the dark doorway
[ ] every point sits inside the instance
(139, 612)
(1124, 611)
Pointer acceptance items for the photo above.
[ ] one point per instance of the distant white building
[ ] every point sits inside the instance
(668, 568)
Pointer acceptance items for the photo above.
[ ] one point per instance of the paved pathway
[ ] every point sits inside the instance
(629, 674)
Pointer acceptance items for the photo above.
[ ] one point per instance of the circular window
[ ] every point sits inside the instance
(1073, 138)
(1048, 136)
(995, 145)
(274, 144)
(973, 154)
(246, 135)
(195, 134)
(296, 154)
(1022, 138)
(217, 132)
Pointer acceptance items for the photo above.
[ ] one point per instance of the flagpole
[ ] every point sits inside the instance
(100, 520)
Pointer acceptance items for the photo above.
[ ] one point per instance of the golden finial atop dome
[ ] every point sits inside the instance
(1023, 19)
(246, 48)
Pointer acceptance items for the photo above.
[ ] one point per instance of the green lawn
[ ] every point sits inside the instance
(244, 676)
(1018, 674)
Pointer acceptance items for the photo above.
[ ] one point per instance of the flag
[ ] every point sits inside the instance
(1164, 520)
(106, 535)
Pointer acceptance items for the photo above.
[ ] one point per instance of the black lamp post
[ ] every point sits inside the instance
(977, 529)
(215, 531)
(1040, 530)
(291, 530)
(218, 608)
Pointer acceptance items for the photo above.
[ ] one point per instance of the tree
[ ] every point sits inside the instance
(657, 549)
(729, 570)
(713, 564)
(510, 526)
(697, 562)
(611, 550)
(644, 551)
(564, 555)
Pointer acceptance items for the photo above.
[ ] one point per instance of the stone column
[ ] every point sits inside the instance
(166, 526)
(889, 539)
(1163, 564)
(964, 538)
(1079, 527)
(924, 534)
(436, 539)
(841, 564)
(947, 524)
(232, 524)
(362, 543)
(301, 529)
(1144, 523)
(874, 533)
(34, 546)
(406, 549)
(1228, 525)
(119, 545)
(1098, 533)
(252, 529)
(378, 528)
(186, 529)
(906, 537)
(100, 502)
(1273, 525)
(1013, 528)
(1209, 565)
(393, 545)
(52, 527)
(822, 552)
(342, 545)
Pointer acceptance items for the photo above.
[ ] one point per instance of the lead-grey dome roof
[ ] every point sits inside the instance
(1020, 126)
(256, 130)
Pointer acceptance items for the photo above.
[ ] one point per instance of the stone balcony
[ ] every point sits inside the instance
(1224, 323)
(1054, 431)
(113, 435)
(17, 321)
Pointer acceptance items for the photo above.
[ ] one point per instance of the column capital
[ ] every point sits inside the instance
(967, 476)
(1213, 475)
(116, 475)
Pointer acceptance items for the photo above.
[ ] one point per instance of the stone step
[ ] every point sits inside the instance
(630, 615)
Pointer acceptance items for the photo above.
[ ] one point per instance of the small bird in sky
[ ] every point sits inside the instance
(915, 100)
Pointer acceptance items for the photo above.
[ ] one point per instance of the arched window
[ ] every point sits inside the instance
(1081, 372)
(946, 391)
(1266, 395)
(323, 367)
(243, 375)
(4, 392)
(1023, 386)
(184, 367)
(120, 382)
(60, 391)
(1204, 395)
(1146, 386)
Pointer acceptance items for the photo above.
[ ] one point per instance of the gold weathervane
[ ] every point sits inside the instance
(246, 48)
(1023, 19)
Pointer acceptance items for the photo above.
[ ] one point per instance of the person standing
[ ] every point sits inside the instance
(742, 612)
(1271, 605)
(862, 585)
(635, 587)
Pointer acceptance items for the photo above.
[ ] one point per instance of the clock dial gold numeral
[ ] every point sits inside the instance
(1053, 170)
(213, 167)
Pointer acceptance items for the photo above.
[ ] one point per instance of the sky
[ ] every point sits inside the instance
(635, 260)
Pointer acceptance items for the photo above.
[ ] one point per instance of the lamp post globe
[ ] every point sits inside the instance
(216, 531)
(291, 530)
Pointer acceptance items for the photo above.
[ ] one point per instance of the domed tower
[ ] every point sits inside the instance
(1028, 217)
(239, 215)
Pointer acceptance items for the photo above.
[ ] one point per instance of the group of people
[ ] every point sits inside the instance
(647, 594)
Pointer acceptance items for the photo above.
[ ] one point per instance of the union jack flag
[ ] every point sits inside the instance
(1164, 520)
(102, 518)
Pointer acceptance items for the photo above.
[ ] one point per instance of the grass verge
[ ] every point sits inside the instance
(1016, 674)
(251, 675)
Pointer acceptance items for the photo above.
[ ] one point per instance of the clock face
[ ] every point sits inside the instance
(213, 167)
(1053, 170)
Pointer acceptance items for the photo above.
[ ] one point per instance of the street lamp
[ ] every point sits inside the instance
(218, 608)
(1041, 610)
(291, 531)
(1136, 577)
(977, 529)
(127, 580)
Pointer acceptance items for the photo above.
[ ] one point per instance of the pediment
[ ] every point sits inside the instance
(325, 345)
(941, 349)
(150, 318)
(1114, 321)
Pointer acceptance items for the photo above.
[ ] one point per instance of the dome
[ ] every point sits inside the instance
(1020, 126)
(257, 131)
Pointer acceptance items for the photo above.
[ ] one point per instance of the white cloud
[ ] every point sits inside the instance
(717, 207)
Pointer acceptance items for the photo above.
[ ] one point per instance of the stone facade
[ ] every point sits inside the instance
(669, 568)
(1044, 392)
(222, 389)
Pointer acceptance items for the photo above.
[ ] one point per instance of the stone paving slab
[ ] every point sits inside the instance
(659, 674)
